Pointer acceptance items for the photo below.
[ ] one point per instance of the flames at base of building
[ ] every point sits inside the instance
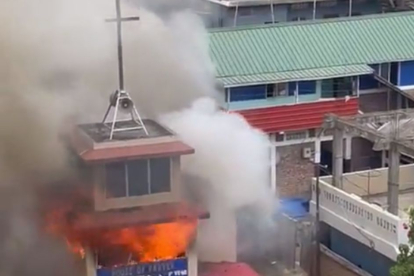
(143, 243)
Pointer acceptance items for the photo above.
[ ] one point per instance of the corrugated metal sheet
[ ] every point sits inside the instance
(313, 44)
(298, 116)
(309, 74)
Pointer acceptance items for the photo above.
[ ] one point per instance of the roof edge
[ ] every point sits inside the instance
(312, 22)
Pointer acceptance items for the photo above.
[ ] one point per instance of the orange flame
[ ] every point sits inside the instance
(144, 243)
(155, 242)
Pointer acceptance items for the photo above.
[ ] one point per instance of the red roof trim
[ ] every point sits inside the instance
(133, 152)
(299, 116)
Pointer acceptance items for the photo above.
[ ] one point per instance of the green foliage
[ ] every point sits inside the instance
(405, 260)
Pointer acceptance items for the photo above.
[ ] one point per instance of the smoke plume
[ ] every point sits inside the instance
(58, 61)
(230, 171)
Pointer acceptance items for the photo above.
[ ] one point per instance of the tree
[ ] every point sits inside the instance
(405, 260)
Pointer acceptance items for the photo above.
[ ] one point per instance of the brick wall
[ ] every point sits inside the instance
(293, 173)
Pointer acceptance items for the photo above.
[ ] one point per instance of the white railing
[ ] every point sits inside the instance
(365, 222)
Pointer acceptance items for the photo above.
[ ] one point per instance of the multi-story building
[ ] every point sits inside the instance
(364, 215)
(229, 13)
(283, 78)
(135, 217)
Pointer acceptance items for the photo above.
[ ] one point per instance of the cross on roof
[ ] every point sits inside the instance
(119, 19)
(121, 99)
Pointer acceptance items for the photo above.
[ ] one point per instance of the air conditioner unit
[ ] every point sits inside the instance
(307, 153)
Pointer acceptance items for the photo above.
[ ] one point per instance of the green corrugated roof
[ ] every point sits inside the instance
(256, 52)
(309, 74)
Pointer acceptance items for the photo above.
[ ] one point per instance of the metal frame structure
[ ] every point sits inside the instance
(120, 96)
(121, 99)
(370, 126)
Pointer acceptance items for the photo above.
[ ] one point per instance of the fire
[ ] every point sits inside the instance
(138, 243)
(155, 242)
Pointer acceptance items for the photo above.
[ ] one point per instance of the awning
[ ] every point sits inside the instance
(301, 75)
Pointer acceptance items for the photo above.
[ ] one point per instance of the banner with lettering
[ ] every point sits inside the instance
(177, 267)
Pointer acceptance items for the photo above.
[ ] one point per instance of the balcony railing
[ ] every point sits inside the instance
(365, 222)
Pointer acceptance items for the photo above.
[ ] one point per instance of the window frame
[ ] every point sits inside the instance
(127, 180)
(275, 92)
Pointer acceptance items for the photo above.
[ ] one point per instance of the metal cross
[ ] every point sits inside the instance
(119, 21)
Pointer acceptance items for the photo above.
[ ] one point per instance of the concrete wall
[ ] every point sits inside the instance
(373, 102)
(293, 173)
(374, 181)
(102, 203)
(363, 157)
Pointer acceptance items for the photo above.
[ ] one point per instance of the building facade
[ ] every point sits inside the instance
(241, 13)
(284, 78)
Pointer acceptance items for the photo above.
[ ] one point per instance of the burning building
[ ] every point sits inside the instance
(132, 217)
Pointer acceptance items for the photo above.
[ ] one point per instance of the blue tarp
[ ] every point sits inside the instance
(294, 207)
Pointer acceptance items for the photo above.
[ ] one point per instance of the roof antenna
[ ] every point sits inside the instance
(120, 99)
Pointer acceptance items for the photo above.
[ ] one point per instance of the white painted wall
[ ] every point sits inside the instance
(364, 222)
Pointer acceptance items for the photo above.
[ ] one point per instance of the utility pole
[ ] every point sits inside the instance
(393, 178)
(337, 157)
(317, 223)
(393, 167)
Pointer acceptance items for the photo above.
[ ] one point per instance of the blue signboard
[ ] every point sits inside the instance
(177, 267)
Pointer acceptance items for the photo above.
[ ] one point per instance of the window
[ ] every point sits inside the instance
(299, 6)
(333, 15)
(354, 14)
(406, 73)
(302, 88)
(394, 73)
(328, 3)
(138, 177)
(311, 133)
(280, 137)
(299, 19)
(338, 87)
(276, 90)
(385, 70)
(369, 82)
(297, 135)
(306, 87)
(271, 22)
(247, 93)
(245, 11)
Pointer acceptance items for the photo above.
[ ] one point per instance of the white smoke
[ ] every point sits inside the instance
(230, 154)
(232, 159)
(58, 59)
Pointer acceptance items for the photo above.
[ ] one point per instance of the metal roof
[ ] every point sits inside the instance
(298, 116)
(309, 74)
(255, 51)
